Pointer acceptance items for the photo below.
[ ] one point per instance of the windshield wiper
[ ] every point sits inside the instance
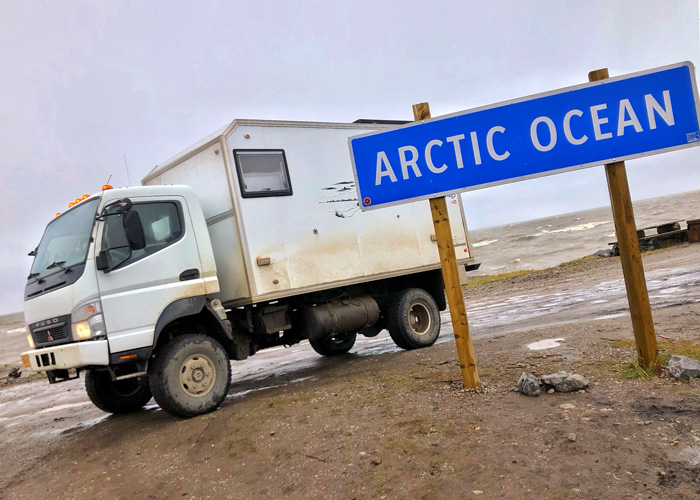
(33, 275)
(59, 263)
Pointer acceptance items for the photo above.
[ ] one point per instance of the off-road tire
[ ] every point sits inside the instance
(334, 346)
(413, 319)
(174, 359)
(118, 396)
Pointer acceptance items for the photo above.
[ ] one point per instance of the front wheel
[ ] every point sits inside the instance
(116, 396)
(334, 346)
(413, 319)
(190, 375)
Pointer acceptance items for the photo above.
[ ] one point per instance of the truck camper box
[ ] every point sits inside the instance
(280, 203)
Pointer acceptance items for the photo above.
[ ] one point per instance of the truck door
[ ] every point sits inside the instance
(168, 268)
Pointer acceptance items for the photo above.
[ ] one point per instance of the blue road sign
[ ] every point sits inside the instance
(616, 119)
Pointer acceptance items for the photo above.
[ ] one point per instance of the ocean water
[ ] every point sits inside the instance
(541, 243)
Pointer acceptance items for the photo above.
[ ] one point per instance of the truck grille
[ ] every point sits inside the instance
(51, 332)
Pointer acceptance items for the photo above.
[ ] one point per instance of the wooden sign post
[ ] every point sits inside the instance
(631, 258)
(448, 261)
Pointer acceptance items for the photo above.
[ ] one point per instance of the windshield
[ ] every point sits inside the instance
(66, 240)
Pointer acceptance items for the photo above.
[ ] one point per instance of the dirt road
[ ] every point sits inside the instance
(386, 423)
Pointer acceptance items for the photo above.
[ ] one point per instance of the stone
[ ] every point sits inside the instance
(528, 385)
(572, 437)
(376, 461)
(551, 391)
(567, 406)
(604, 253)
(565, 382)
(683, 368)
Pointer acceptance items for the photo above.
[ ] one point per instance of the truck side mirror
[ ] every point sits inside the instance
(112, 258)
(134, 230)
(101, 261)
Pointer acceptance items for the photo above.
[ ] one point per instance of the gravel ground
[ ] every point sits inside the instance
(384, 423)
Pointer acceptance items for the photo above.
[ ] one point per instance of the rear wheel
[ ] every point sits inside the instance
(413, 319)
(116, 396)
(190, 375)
(333, 346)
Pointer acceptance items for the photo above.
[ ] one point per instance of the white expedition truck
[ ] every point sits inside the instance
(250, 239)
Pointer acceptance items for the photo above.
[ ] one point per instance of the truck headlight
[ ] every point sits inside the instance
(88, 321)
(31, 341)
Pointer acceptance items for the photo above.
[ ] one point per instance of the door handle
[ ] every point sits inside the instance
(190, 274)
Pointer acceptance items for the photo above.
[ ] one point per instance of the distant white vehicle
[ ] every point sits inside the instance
(251, 238)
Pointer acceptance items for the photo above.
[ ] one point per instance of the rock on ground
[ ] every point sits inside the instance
(528, 385)
(604, 253)
(683, 367)
(565, 382)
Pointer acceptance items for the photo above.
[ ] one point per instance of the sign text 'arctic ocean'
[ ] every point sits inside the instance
(615, 119)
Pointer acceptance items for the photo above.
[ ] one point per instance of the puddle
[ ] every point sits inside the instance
(240, 394)
(610, 316)
(545, 344)
(62, 407)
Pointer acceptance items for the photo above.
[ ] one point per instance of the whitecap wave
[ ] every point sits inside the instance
(483, 243)
(581, 227)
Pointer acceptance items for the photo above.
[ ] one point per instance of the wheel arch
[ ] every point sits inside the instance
(190, 315)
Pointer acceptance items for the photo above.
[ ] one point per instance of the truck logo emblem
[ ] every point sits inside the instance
(49, 338)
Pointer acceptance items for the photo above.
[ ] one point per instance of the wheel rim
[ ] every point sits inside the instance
(197, 375)
(419, 318)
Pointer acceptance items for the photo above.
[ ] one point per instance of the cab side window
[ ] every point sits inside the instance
(162, 226)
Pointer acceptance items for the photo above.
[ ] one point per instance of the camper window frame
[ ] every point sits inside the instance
(262, 194)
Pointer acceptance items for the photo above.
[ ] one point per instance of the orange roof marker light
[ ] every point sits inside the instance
(105, 187)
(71, 204)
(58, 213)
(85, 196)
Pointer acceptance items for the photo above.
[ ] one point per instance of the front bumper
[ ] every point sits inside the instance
(75, 355)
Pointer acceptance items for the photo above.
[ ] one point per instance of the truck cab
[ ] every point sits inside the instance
(105, 273)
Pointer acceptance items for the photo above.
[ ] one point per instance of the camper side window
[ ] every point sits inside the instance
(262, 172)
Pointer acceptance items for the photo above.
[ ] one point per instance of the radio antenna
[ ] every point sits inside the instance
(126, 166)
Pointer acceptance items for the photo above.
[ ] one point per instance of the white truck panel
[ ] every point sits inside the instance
(130, 312)
(228, 255)
(205, 172)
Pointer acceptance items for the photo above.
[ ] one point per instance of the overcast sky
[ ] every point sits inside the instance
(82, 83)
